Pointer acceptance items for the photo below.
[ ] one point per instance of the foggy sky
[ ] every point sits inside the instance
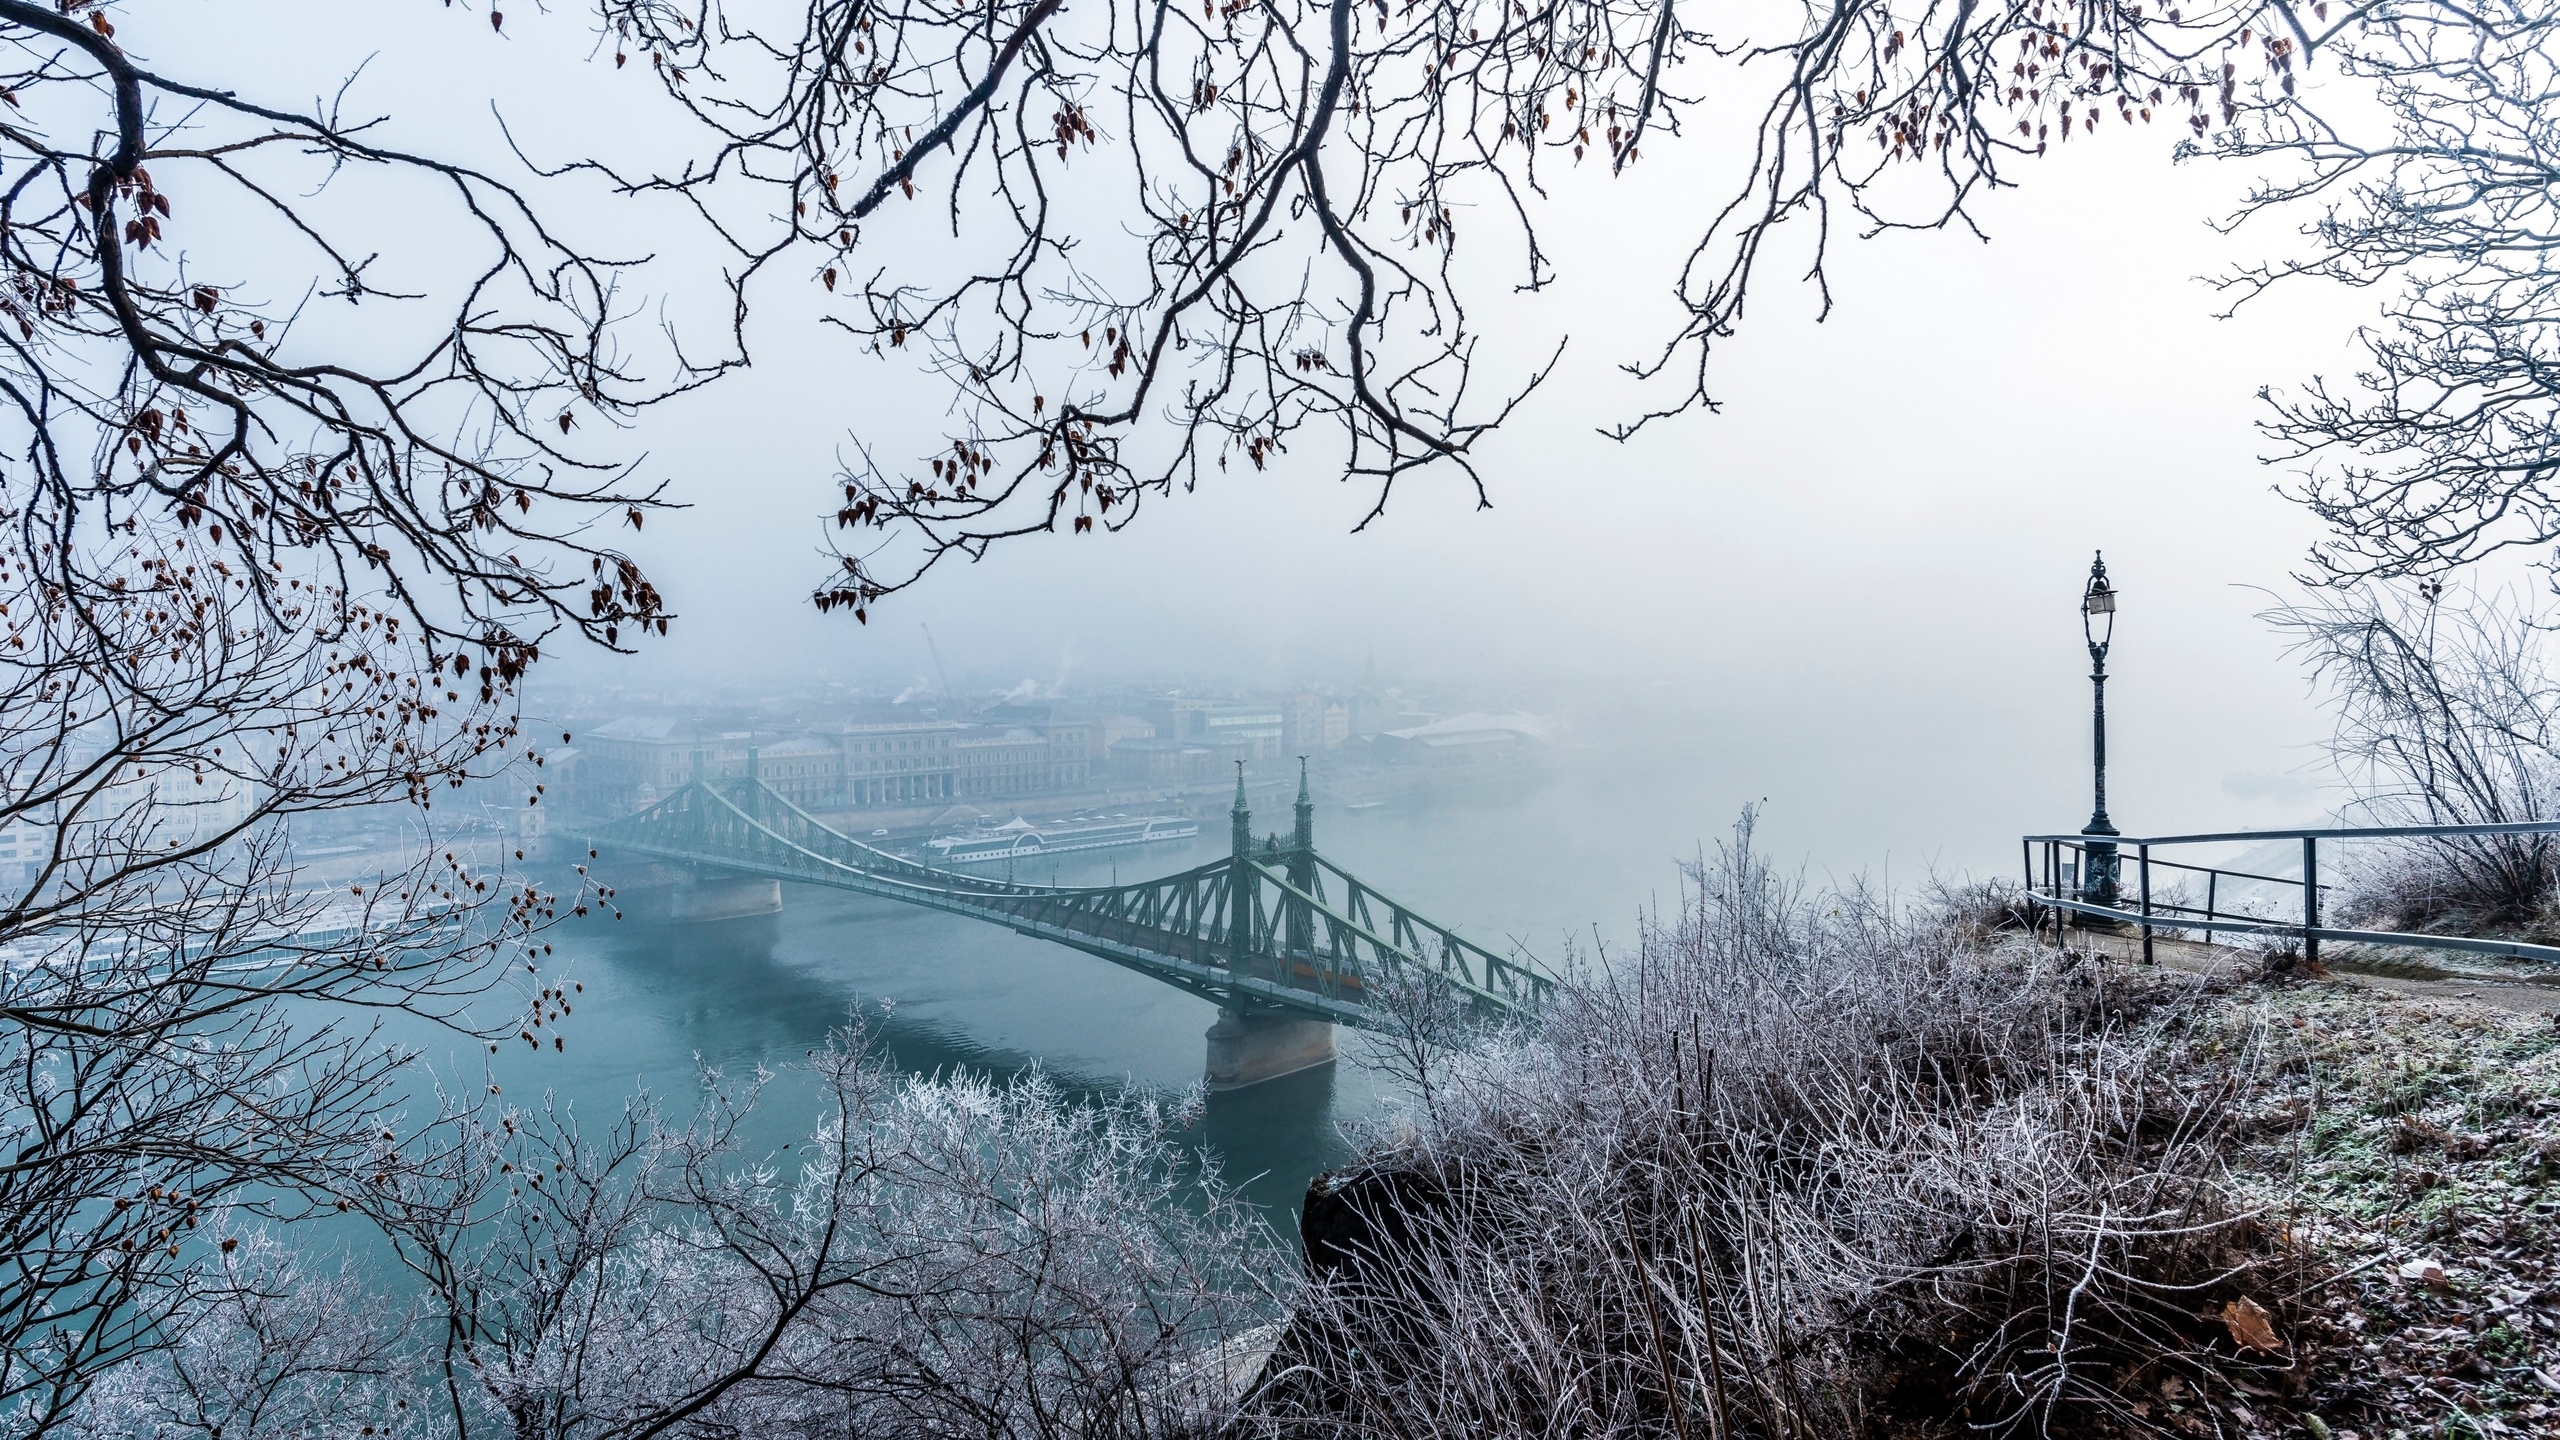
(1855, 586)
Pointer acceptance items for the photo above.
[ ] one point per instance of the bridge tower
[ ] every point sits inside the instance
(1240, 833)
(1299, 933)
(1247, 1047)
(1240, 881)
(714, 895)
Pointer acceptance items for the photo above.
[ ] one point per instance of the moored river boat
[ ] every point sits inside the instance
(1020, 839)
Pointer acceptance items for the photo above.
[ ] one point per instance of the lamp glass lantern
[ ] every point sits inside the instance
(2098, 609)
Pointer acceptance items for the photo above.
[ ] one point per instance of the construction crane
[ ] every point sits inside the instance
(948, 697)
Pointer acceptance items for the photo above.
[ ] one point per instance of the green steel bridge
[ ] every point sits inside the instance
(1273, 931)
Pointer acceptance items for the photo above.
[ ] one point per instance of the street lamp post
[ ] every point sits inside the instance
(2098, 875)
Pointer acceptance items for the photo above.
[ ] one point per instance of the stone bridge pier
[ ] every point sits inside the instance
(1249, 1047)
(715, 895)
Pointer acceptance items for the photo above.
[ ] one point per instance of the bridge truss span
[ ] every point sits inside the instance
(1273, 929)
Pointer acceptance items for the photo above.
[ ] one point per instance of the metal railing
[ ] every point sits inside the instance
(2061, 887)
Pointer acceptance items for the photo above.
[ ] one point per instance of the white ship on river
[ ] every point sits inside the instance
(1019, 839)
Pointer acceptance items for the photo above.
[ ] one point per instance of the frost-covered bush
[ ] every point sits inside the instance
(2447, 713)
(951, 1255)
(2486, 885)
(1978, 910)
(1797, 1166)
(276, 1343)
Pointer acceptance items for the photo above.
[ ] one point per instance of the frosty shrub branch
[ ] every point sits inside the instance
(1798, 1166)
(2445, 713)
(256, 563)
(949, 1256)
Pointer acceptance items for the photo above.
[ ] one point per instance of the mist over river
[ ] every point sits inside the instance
(1577, 845)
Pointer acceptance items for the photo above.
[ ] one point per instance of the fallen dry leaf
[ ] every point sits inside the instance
(2251, 1327)
(2425, 1272)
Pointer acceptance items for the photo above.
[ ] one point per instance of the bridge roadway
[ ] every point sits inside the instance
(1286, 943)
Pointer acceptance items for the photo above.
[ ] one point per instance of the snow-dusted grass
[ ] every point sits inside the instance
(2415, 1145)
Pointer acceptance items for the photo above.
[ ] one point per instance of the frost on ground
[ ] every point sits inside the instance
(2413, 1145)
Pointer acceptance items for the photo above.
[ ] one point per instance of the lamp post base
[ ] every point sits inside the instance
(2100, 872)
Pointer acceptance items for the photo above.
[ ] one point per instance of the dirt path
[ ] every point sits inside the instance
(2352, 965)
